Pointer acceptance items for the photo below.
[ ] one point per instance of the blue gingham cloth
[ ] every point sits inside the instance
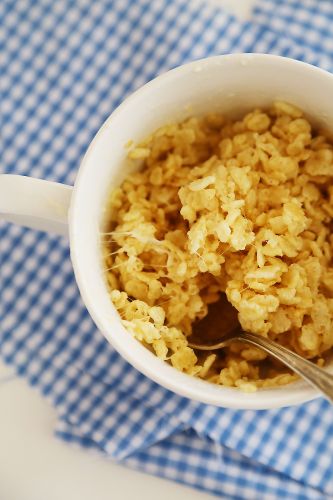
(65, 66)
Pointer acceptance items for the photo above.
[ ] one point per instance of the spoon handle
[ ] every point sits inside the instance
(319, 378)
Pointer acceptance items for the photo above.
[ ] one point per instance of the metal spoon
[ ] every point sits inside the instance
(220, 328)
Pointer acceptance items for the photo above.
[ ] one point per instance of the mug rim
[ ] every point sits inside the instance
(232, 398)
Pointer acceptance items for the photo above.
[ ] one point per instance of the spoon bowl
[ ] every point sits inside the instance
(221, 327)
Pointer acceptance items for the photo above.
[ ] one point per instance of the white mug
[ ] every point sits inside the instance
(229, 83)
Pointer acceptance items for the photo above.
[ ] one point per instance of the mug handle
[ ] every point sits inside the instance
(35, 203)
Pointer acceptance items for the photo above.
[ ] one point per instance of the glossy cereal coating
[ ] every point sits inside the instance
(243, 208)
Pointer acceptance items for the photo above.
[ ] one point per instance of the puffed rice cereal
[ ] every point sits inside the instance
(243, 208)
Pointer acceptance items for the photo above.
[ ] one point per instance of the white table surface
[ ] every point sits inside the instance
(35, 465)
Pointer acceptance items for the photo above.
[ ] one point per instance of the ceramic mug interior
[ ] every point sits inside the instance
(232, 84)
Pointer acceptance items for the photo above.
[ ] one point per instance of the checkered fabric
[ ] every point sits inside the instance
(65, 66)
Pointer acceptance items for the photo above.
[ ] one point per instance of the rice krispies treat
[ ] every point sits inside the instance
(237, 207)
